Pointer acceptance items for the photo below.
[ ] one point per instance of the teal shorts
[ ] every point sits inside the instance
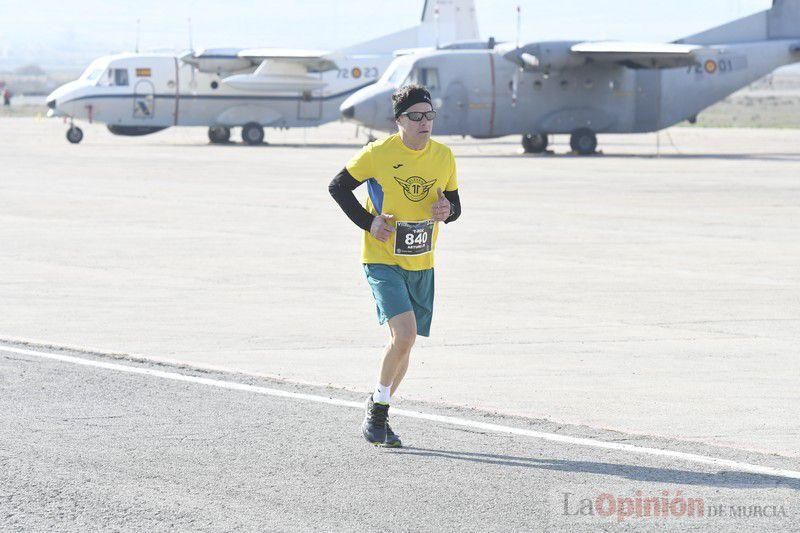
(397, 291)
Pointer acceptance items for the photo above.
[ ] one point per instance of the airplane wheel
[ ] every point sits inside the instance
(74, 134)
(219, 134)
(583, 141)
(534, 143)
(253, 133)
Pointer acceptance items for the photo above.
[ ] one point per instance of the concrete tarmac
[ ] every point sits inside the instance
(654, 296)
(86, 448)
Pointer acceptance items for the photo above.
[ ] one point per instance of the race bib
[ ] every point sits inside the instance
(413, 238)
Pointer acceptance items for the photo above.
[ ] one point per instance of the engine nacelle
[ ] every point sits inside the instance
(546, 57)
(218, 61)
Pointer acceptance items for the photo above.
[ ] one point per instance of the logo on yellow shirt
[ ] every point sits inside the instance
(415, 188)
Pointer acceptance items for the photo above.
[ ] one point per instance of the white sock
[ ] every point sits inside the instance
(382, 393)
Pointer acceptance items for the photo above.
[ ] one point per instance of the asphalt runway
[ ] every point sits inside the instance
(643, 298)
(130, 448)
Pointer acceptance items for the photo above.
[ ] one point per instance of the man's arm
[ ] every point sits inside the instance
(341, 188)
(455, 205)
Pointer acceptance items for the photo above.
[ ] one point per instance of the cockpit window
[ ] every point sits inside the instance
(397, 73)
(94, 75)
(95, 71)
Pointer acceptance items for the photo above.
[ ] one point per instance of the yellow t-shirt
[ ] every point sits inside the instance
(402, 182)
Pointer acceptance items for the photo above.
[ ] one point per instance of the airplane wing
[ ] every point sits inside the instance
(312, 60)
(231, 60)
(639, 55)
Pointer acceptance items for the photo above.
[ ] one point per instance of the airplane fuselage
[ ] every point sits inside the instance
(158, 91)
(481, 94)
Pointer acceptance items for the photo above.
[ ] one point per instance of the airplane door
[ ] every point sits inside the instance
(455, 107)
(144, 100)
(648, 100)
(151, 97)
(309, 106)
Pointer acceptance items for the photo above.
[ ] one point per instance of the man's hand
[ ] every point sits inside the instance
(440, 209)
(381, 227)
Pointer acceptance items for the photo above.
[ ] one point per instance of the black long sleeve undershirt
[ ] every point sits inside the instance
(341, 188)
(455, 201)
(343, 185)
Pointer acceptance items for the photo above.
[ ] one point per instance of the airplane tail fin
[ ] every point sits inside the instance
(454, 20)
(781, 21)
(443, 22)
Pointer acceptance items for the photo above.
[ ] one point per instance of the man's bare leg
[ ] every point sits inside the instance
(403, 328)
(401, 372)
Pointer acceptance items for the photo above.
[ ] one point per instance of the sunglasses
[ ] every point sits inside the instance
(416, 116)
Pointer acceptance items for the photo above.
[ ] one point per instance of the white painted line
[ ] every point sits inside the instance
(453, 421)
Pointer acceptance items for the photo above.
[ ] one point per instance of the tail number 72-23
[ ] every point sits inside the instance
(356, 73)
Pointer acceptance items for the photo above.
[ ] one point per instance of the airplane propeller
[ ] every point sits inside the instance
(194, 71)
(515, 86)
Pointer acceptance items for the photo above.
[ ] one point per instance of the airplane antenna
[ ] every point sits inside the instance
(436, 20)
(138, 22)
(517, 71)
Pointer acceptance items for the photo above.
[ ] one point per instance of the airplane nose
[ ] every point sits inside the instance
(363, 106)
(362, 111)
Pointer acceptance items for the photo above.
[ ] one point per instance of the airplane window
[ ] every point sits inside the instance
(120, 76)
(413, 77)
(388, 74)
(429, 77)
(94, 75)
(399, 75)
(95, 70)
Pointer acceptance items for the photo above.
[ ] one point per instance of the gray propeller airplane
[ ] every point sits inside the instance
(584, 88)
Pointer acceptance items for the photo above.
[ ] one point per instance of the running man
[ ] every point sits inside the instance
(411, 185)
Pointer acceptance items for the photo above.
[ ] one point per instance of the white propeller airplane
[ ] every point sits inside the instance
(138, 94)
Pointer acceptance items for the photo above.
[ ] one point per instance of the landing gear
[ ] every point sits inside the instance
(534, 143)
(253, 133)
(74, 134)
(583, 141)
(219, 134)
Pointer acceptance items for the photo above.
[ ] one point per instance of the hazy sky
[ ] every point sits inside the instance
(54, 32)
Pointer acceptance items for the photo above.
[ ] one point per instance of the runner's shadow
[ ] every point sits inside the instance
(725, 479)
(561, 156)
(267, 145)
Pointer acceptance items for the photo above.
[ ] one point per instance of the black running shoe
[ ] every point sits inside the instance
(374, 426)
(392, 438)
